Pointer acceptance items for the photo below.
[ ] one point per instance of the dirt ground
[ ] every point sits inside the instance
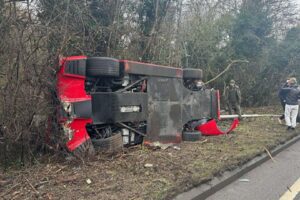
(143, 173)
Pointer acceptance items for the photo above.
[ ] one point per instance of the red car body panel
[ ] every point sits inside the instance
(70, 89)
(211, 128)
(80, 134)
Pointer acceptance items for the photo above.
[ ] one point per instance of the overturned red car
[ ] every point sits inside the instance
(112, 103)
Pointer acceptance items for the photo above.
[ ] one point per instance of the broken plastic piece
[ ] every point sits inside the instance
(80, 134)
(211, 127)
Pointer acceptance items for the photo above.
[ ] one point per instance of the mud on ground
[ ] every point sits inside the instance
(143, 173)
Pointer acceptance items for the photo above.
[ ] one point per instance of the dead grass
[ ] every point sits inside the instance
(124, 176)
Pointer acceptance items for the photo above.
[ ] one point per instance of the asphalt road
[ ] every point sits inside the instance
(279, 179)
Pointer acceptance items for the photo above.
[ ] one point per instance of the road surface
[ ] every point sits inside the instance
(278, 179)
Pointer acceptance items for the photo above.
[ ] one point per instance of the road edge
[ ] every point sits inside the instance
(217, 183)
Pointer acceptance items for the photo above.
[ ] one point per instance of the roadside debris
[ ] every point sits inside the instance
(37, 192)
(88, 181)
(66, 179)
(268, 152)
(176, 148)
(159, 145)
(244, 180)
(4, 182)
(148, 165)
(203, 141)
(211, 128)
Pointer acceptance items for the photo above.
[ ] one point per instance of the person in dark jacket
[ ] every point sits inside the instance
(282, 97)
(233, 98)
(291, 107)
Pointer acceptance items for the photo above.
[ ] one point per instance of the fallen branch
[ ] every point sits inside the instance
(109, 187)
(3, 182)
(60, 169)
(67, 179)
(9, 191)
(15, 195)
(203, 141)
(226, 69)
(37, 192)
(268, 152)
(167, 159)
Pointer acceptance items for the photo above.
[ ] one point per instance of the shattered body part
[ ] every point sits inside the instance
(211, 128)
(75, 108)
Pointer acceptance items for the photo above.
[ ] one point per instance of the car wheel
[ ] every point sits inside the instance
(110, 144)
(85, 150)
(191, 136)
(190, 73)
(101, 66)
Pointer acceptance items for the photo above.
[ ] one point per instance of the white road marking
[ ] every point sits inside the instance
(292, 191)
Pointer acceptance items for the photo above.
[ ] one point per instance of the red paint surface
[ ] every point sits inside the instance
(80, 134)
(211, 128)
(70, 87)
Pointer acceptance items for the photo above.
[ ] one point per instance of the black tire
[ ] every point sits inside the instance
(85, 150)
(190, 73)
(191, 136)
(101, 66)
(110, 144)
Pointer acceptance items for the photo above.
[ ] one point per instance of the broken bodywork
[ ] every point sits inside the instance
(119, 102)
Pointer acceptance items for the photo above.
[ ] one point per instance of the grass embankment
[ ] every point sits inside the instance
(125, 176)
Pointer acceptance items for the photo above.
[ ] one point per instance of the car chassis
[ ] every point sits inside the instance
(114, 102)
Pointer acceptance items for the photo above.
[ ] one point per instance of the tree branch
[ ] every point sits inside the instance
(226, 69)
